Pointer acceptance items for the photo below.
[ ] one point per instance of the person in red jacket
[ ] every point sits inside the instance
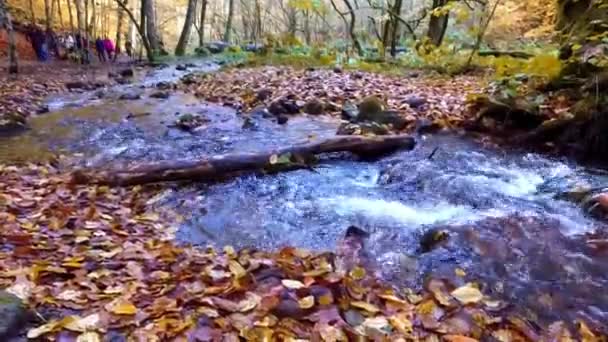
(109, 47)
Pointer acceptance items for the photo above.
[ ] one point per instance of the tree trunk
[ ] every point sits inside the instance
(228, 31)
(353, 20)
(307, 33)
(222, 166)
(201, 27)
(141, 27)
(48, 15)
(396, 12)
(33, 12)
(5, 20)
(180, 49)
(151, 33)
(60, 12)
(71, 16)
(438, 24)
(121, 14)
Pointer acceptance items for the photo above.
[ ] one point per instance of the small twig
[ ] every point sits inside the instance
(430, 157)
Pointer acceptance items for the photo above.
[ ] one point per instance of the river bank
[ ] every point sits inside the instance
(456, 209)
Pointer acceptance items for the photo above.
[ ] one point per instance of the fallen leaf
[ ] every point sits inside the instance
(121, 306)
(292, 284)
(89, 336)
(306, 302)
(467, 294)
(365, 306)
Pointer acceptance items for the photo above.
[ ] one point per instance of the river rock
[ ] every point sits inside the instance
(160, 95)
(282, 119)
(363, 128)
(130, 96)
(386, 117)
(284, 106)
(314, 107)
(432, 239)
(263, 94)
(80, 85)
(164, 85)
(350, 111)
(127, 72)
(181, 67)
(12, 315)
(414, 101)
(189, 122)
(426, 126)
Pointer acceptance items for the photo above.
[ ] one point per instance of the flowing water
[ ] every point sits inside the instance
(506, 227)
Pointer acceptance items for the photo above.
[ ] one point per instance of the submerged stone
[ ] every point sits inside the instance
(12, 315)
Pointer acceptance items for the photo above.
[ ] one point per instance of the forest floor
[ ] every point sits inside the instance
(99, 263)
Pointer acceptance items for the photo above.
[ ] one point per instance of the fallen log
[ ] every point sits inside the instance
(216, 167)
(497, 53)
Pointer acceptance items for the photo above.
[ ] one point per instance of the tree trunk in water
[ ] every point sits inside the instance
(121, 14)
(228, 31)
(438, 24)
(151, 33)
(180, 49)
(5, 19)
(222, 166)
(201, 28)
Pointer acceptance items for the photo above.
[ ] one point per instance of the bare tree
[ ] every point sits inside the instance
(70, 14)
(350, 24)
(201, 25)
(438, 24)
(32, 11)
(150, 20)
(180, 49)
(228, 31)
(5, 19)
(139, 26)
(120, 15)
(48, 15)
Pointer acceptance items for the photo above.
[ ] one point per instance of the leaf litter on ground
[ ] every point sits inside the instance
(96, 261)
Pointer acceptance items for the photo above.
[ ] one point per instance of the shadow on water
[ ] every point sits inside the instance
(506, 227)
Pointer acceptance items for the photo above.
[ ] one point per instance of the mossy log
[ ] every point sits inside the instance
(218, 167)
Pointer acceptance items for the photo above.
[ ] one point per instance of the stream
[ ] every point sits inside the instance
(506, 228)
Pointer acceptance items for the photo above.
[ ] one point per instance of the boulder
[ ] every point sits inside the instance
(13, 315)
(164, 85)
(181, 67)
(160, 95)
(314, 107)
(189, 122)
(387, 117)
(369, 107)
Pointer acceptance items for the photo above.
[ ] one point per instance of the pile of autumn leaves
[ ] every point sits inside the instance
(98, 261)
(440, 100)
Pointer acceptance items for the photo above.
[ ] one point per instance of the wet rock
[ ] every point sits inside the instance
(43, 109)
(415, 102)
(338, 70)
(191, 65)
(80, 85)
(314, 107)
(189, 122)
(181, 67)
(284, 106)
(160, 95)
(188, 79)
(217, 47)
(349, 112)
(370, 106)
(358, 75)
(164, 85)
(12, 315)
(413, 74)
(432, 239)
(263, 94)
(100, 94)
(131, 116)
(130, 96)
(386, 117)
(426, 126)
(248, 123)
(127, 72)
(282, 119)
(363, 128)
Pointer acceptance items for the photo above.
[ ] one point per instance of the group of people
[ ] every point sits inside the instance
(75, 46)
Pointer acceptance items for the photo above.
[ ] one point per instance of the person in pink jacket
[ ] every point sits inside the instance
(109, 47)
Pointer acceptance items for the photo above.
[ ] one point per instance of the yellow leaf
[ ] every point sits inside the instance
(306, 302)
(292, 284)
(236, 269)
(78, 324)
(460, 272)
(357, 273)
(402, 323)
(121, 307)
(326, 299)
(371, 308)
(89, 336)
(43, 329)
(467, 294)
